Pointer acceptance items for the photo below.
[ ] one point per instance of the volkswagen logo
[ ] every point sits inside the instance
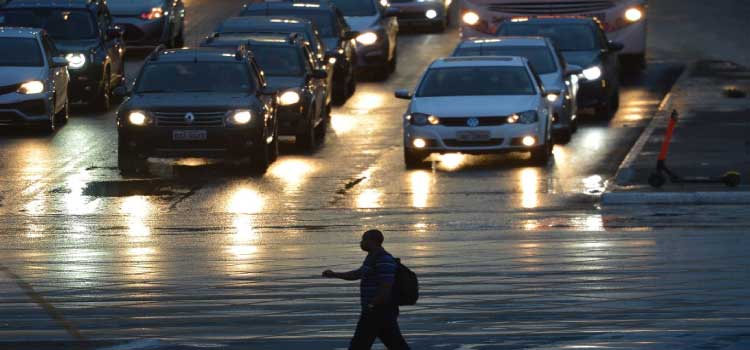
(472, 122)
(189, 118)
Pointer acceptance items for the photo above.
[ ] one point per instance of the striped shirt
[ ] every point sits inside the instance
(379, 267)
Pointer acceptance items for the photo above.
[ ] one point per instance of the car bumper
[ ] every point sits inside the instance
(222, 142)
(592, 93)
(415, 14)
(142, 33)
(292, 120)
(370, 56)
(85, 82)
(19, 110)
(502, 139)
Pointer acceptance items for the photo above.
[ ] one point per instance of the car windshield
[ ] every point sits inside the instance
(476, 81)
(539, 57)
(20, 52)
(60, 24)
(324, 21)
(145, 3)
(567, 37)
(279, 60)
(356, 7)
(195, 77)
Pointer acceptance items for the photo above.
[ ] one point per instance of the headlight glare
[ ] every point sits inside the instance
(289, 98)
(137, 118)
(31, 87)
(633, 14)
(592, 73)
(241, 117)
(430, 14)
(470, 18)
(76, 60)
(368, 38)
(552, 97)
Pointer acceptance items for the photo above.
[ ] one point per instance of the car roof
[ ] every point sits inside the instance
(19, 32)
(284, 5)
(479, 61)
(69, 4)
(198, 54)
(505, 41)
(266, 22)
(275, 39)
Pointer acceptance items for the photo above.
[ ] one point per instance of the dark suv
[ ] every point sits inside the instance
(334, 30)
(292, 72)
(84, 34)
(201, 102)
(148, 23)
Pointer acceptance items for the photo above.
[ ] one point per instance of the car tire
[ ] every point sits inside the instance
(563, 137)
(128, 163)
(261, 158)
(274, 146)
(541, 155)
(340, 90)
(62, 116)
(322, 129)
(306, 141)
(414, 160)
(102, 101)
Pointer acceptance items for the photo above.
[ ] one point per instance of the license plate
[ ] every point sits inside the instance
(479, 135)
(189, 135)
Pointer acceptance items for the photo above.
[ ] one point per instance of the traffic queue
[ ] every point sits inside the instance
(277, 68)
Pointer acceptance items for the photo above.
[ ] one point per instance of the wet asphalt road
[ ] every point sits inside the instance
(510, 255)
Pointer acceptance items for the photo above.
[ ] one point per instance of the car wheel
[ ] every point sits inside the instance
(128, 163)
(261, 159)
(274, 146)
(102, 101)
(414, 160)
(542, 154)
(306, 141)
(322, 129)
(63, 115)
(351, 86)
(340, 90)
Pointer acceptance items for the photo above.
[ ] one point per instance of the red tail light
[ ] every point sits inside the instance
(155, 13)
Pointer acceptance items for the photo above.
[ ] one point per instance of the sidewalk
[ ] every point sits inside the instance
(712, 137)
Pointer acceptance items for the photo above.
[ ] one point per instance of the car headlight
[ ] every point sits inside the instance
(592, 73)
(528, 117)
(31, 87)
(241, 117)
(470, 18)
(430, 14)
(76, 60)
(368, 38)
(288, 98)
(421, 119)
(633, 14)
(137, 118)
(552, 97)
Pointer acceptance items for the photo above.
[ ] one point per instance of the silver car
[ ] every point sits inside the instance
(477, 105)
(560, 79)
(33, 80)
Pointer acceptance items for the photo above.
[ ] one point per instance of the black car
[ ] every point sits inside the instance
(200, 102)
(83, 32)
(583, 43)
(334, 30)
(292, 71)
(239, 27)
(149, 23)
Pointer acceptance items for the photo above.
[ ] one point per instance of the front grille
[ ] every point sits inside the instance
(200, 119)
(132, 33)
(483, 121)
(30, 107)
(551, 8)
(9, 88)
(488, 143)
(412, 15)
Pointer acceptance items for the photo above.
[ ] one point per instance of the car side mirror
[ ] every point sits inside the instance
(58, 62)
(615, 46)
(351, 34)
(319, 74)
(121, 91)
(573, 69)
(391, 11)
(115, 32)
(403, 94)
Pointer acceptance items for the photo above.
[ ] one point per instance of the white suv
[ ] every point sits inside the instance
(477, 105)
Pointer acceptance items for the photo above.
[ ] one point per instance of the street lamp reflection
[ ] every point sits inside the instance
(245, 201)
(368, 101)
(369, 198)
(421, 182)
(293, 172)
(529, 188)
(75, 202)
(342, 124)
(137, 208)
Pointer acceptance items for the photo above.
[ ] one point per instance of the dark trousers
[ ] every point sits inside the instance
(380, 322)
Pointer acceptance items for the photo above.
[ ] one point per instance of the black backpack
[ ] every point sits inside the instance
(405, 285)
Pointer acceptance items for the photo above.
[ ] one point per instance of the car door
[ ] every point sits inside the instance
(390, 24)
(57, 76)
(317, 86)
(610, 60)
(114, 47)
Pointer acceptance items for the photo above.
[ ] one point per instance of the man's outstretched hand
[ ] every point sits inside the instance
(329, 274)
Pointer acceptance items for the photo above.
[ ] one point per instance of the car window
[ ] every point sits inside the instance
(476, 81)
(195, 77)
(567, 36)
(539, 56)
(20, 52)
(279, 60)
(324, 21)
(309, 60)
(60, 24)
(356, 7)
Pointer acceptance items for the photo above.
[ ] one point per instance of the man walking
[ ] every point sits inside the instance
(379, 317)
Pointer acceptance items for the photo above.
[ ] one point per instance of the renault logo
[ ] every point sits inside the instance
(189, 118)
(472, 122)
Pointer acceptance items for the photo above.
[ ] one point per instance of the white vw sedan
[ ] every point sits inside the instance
(477, 105)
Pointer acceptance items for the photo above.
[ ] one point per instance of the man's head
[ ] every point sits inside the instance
(371, 240)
